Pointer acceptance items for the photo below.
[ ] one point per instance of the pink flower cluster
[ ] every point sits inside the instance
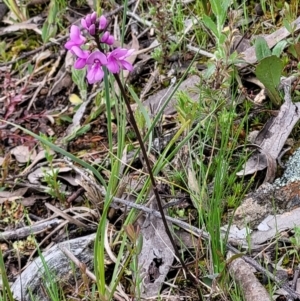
(94, 61)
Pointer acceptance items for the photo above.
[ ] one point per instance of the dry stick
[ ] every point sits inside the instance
(153, 182)
(259, 268)
(192, 229)
(295, 279)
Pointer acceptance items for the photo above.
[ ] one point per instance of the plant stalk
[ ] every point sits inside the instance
(152, 179)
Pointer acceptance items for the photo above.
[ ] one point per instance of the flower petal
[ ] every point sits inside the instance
(107, 38)
(126, 65)
(119, 53)
(69, 45)
(93, 17)
(84, 54)
(102, 23)
(99, 73)
(129, 53)
(97, 56)
(94, 74)
(112, 65)
(104, 37)
(92, 29)
(74, 32)
(83, 24)
(110, 40)
(76, 36)
(80, 63)
(88, 20)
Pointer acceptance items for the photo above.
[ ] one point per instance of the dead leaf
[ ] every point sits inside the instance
(274, 224)
(157, 100)
(70, 179)
(31, 24)
(156, 256)
(23, 154)
(39, 173)
(30, 201)
(19, 193)
(39, 57)
(272, 138)
(40, 156)
(260, 97)
(239, 44)
(235, 233)
(63, 77)
(66, 216)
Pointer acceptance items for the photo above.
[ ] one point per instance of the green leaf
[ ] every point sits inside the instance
(262, 49)
(219, 9)
(211, 69)
(66, 118)
(294, 49)
(268, 71)
(78, 77)
(48, 31)
(78, 132)
(216, 7)
(210, 24)
(279, 47)
(287, 25)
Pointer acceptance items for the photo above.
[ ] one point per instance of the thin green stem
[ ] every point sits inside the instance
(152, 179)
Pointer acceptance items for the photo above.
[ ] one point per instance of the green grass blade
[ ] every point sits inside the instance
(5, 283)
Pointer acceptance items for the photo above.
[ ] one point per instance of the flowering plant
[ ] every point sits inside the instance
(95, 59)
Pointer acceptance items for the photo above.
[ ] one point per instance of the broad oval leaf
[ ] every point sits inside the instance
(262, 49)
(269, 71)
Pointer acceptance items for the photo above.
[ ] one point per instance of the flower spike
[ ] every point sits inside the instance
(115, 60)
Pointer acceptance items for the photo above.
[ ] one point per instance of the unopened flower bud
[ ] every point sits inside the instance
(107, 38)
(102, 23)
(92, 30)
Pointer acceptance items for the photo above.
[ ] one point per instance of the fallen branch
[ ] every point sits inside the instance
(244, 276)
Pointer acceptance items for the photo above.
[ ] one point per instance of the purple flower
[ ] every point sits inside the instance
(89, 20)
(92, 30)
(107, 38)
(89, 23)
(116, 60)
(94, 63)
(102, 23)
(76, 38)
(82, 56)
